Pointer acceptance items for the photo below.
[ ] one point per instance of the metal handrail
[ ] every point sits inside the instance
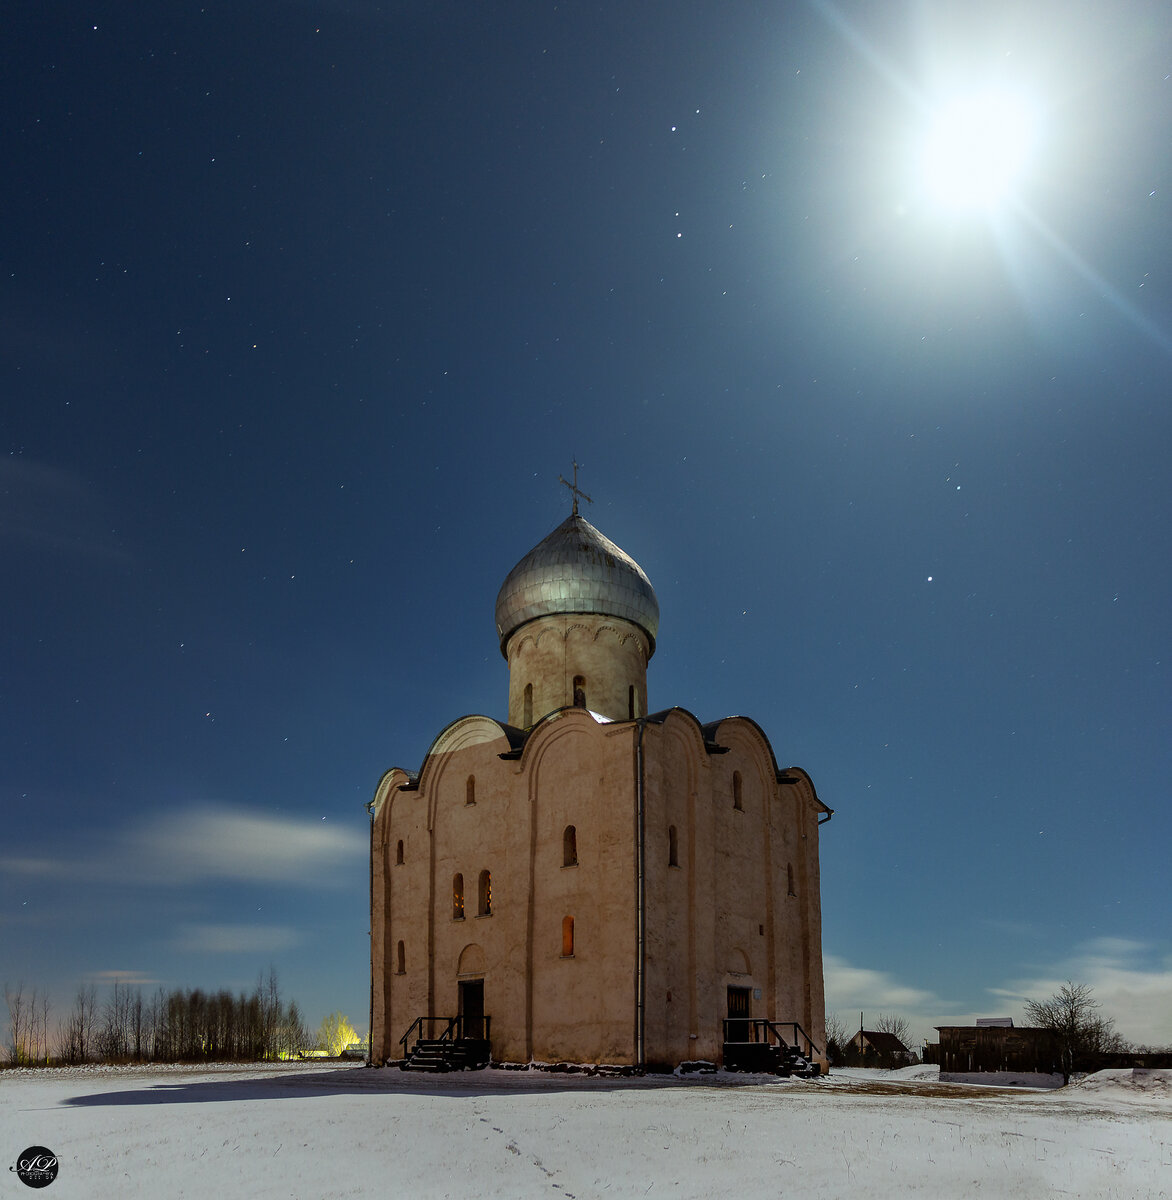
(761, 1028)
(417, 1027)
(812, 1051)
(453, 1030)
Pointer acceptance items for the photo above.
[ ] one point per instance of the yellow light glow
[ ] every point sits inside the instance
(976, 150)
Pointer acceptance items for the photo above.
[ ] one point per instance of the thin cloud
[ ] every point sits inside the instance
(126, 978)
(217, 842)
(1131, 980)
(235, 939)
(849, 987)
(1013, 929)
(851, 990)
(1123, 951)
(38, 868)
(210, 843)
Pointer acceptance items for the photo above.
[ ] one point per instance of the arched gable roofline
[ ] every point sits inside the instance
(550, 728)
(686, 733)
(711, 745)
(397, 779)
(466, 731)
(799, 776)
(713, 730)
(680, 720)
(389, 786)
(789, 776)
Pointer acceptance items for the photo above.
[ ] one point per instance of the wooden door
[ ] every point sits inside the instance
(738, 1014)
(472, 1008)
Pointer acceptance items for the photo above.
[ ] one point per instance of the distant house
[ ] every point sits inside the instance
(875, 1048)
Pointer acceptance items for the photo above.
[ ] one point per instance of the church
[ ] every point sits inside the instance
(586, 882)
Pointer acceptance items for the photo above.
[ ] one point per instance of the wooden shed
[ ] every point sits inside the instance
(965, 1049)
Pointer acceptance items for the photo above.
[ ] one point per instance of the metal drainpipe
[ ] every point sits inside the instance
(370, 1024)
(640, 907)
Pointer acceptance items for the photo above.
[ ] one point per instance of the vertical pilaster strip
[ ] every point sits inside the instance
(433, 819)
(693, 983)
(771, 796)
(802, 804)
(531, 906)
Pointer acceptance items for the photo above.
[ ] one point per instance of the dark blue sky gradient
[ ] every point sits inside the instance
(305, 306)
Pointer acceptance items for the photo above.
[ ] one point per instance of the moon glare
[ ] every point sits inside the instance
(975, 150)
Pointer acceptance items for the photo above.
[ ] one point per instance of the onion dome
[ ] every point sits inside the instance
(576, 569)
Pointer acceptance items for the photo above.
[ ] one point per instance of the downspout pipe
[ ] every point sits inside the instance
(370, 1024)
(640, 904)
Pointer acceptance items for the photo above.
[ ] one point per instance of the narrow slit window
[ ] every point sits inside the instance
(579, 691)
(631, 713)
(789, 871)
(485, 907)
(570, 847)
(399, 853)
(470, 790)
(458, 897)
(400, 959)
(527, 715)
(567, 937)
(673, 847)
(738, 799)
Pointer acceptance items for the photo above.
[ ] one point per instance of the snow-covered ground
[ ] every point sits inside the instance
(324, 1130)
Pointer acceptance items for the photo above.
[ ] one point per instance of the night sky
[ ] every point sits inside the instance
(304, 308)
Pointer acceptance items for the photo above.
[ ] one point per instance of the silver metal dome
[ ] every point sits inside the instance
(576, 569)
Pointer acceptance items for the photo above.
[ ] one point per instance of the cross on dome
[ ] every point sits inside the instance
(575, 490)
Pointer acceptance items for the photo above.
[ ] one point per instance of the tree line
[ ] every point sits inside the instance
(181, 1025)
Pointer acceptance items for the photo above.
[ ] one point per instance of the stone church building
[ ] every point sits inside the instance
(587, 882)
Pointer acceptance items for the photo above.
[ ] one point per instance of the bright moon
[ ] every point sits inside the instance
(976, 149)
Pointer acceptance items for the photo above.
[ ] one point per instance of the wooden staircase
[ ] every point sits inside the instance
(438, 1054)
(456, 1048)
(761, 1046)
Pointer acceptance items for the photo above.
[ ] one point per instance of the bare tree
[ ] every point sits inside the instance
(335, 1033)
(19, 1019)
(270, 1012)
(114, 1038)
(896, 1025)
(40, 1026)
(77, 1036)
(1080, 1031)
(138, 1027)
(837, 1038)
(157, 1038)
(293, 1037)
